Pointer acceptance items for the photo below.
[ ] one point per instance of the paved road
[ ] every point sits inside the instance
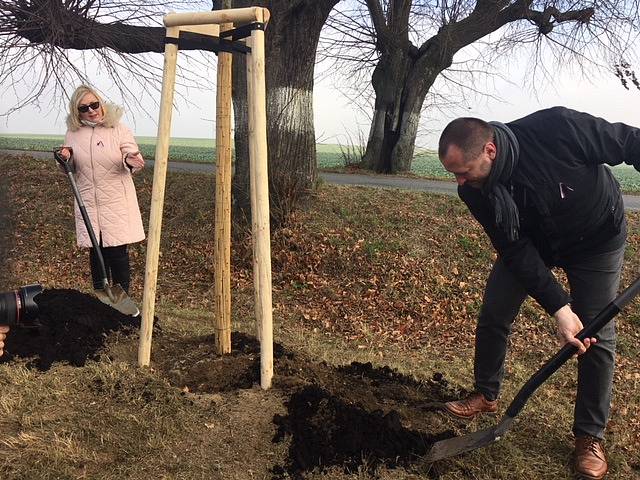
(631, 202)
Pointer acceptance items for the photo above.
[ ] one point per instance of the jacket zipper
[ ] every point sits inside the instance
(95, 187)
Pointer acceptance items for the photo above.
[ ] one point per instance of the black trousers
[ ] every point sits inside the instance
(594, 283)
(116, 262)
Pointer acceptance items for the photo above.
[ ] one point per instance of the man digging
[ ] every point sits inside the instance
(539, 188)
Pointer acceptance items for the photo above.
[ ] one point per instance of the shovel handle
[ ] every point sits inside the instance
(566, 352)
(65, 163)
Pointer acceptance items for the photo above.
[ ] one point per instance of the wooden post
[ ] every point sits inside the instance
(260, 199)
(223, 203)
(157, 198)
(252, 180)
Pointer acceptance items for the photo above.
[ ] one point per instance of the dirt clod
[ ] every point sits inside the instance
(326, 431)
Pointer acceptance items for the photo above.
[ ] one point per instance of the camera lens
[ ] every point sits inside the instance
(19, 307)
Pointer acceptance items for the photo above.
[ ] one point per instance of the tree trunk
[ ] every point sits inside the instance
(417, 85)
(240, 186)
(388, 80)
(291, 41)
(400, 89)
(405, 139)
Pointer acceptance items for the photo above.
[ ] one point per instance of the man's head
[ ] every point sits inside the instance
(467, 149)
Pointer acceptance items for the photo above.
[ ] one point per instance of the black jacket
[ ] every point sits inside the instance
(570, 204)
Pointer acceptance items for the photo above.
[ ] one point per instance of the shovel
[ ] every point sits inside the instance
(457, 445)
(112, 295)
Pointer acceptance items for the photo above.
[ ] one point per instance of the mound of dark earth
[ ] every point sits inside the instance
(346, 417)
(367, 417)
(71, 327)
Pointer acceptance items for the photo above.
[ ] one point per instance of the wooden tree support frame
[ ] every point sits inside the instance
(211, 24)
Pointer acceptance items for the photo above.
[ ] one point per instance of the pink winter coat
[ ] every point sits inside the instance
(105, 182)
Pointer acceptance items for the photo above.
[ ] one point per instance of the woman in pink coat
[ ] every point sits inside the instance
(105, 155)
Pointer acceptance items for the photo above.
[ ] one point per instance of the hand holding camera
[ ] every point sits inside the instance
(4, 329)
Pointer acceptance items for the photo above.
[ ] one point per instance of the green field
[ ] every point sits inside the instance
(181, 149)
(203, 150)
(329, 156)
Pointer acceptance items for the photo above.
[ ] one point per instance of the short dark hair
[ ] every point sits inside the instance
(467, 133)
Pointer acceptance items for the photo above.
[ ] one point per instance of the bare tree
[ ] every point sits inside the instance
(405, 45)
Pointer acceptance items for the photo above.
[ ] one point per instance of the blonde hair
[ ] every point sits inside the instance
(73, 120)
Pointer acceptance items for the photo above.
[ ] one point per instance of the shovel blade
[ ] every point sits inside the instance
(457, 445)
(117, 298)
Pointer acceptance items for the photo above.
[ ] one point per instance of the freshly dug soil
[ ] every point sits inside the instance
(360, 417)
(327, 431)
(344, 417)
(71, 327)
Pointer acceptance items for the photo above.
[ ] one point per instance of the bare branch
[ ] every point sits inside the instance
(58, 44)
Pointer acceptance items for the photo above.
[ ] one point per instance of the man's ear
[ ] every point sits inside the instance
(490, 149)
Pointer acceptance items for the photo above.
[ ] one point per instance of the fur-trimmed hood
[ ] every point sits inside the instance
(112, 115)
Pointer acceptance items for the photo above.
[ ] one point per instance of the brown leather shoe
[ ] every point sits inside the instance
(590, 459)
(471, 406)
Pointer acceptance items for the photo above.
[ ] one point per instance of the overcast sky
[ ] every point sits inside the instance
(335, 116)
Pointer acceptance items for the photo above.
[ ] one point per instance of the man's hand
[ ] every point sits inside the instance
(4, 329)
(568, 327)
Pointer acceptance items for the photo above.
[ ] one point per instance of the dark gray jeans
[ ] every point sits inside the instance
(594, 283)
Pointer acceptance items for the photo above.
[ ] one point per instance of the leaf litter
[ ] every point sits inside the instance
(360, 266)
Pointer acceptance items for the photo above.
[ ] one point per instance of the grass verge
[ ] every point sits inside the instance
(389, 277)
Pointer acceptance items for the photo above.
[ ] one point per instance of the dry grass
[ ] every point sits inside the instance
(390, 277)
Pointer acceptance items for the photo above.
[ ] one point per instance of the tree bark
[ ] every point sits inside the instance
(71, 29)
(240, 186)
(389, 83)
(292, 37)
(395, 123)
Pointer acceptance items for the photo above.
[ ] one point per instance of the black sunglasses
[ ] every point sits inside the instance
(92, 106)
